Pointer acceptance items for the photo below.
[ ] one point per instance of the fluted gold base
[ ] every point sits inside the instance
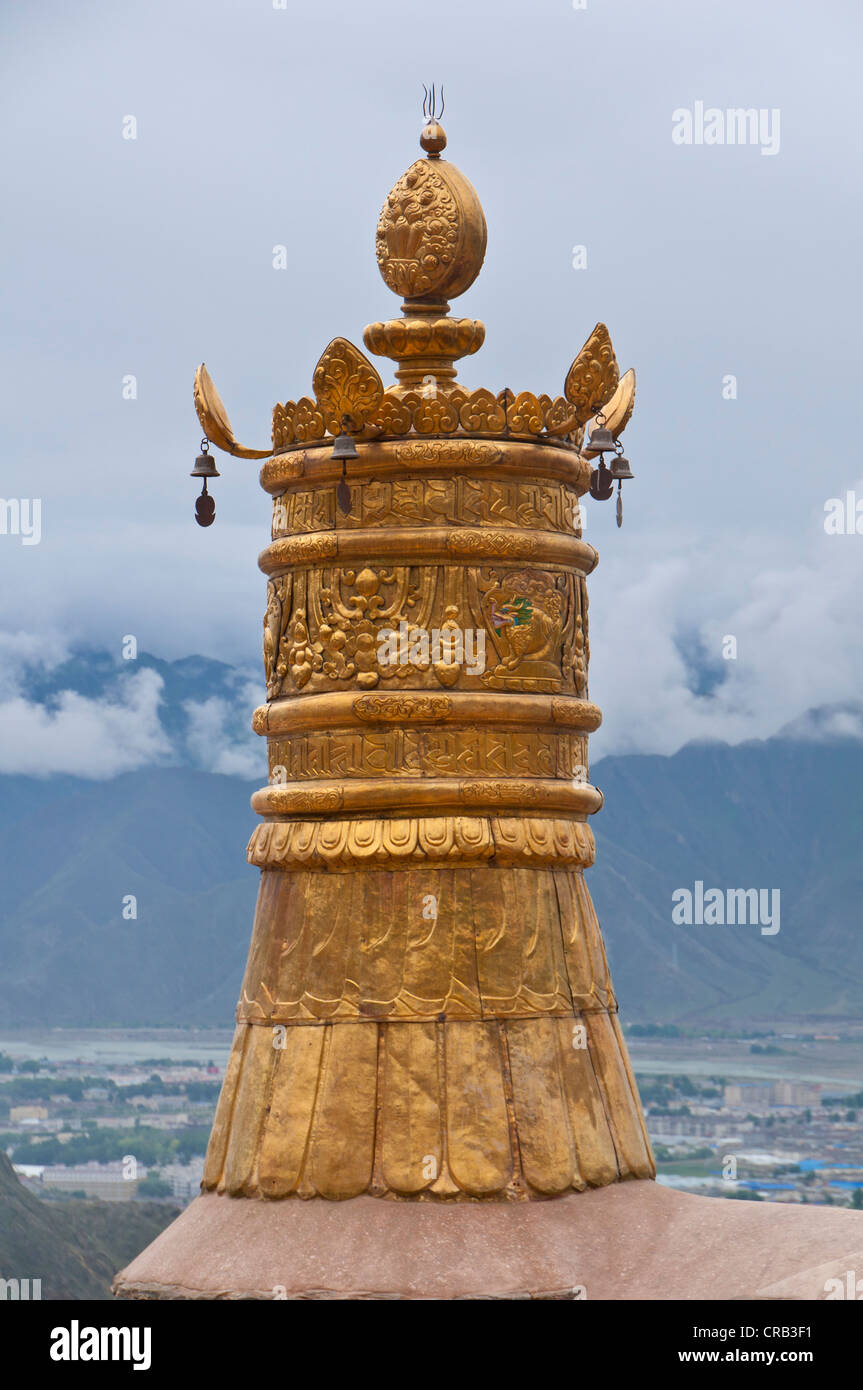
(473, 1052)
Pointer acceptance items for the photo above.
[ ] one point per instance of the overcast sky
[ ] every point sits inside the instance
(259, 126)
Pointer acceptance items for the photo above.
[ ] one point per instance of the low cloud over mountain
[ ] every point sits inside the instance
(91, 715)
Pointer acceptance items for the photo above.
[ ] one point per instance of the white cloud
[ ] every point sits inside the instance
(21, 649)
(796, 625)
(211, 744)
(827, 723)
(96, 738)
(119, 729)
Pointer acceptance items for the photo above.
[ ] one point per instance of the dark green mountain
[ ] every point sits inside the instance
(75, 1247)
(71, 851)
(775, 814)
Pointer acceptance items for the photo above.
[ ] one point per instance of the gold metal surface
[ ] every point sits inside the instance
(338, 709)
(431, 234)
(483, 457)
(427, 1012)
(403, 842)
(347, 388)
(593, 376)
(214, 418)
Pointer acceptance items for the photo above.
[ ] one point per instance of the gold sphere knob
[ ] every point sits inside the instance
(433, 139)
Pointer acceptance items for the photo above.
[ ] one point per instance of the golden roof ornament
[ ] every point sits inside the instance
(214, 418)
(427, 1013)
(430, 245)
(428, 1073)
(431, 235)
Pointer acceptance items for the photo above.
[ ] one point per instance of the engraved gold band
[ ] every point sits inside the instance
(367, 794)
(433, 545)
(343, 708)
(389, 458)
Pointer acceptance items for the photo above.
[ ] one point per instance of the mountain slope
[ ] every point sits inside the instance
(172, 838)
(778, 814)
(74, 1247)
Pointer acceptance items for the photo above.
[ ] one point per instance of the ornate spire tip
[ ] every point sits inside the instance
(433, 137)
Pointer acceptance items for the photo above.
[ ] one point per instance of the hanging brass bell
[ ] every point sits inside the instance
(205, 467)
(344, 448)
(620, 468)
(600, 442)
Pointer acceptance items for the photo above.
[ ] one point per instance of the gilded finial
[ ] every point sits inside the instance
(431, 232)
(433, 137)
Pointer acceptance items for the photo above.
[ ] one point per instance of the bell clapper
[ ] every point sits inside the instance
(344, 449)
